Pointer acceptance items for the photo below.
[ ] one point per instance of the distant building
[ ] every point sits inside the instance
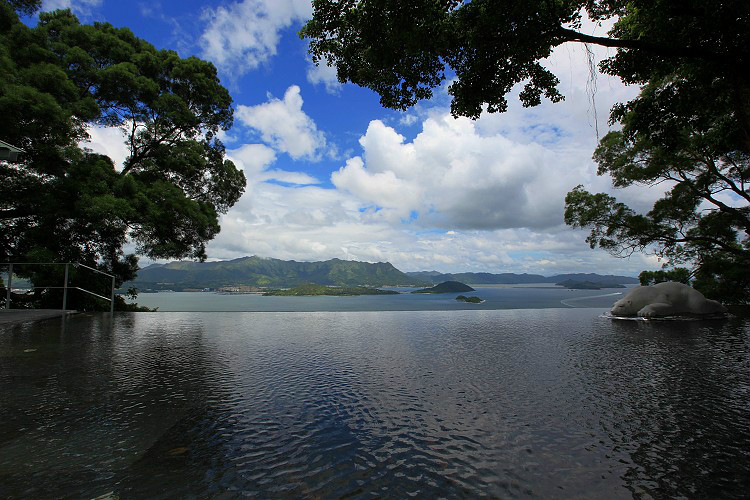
(9, 152)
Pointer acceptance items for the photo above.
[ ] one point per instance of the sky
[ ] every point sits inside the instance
(333, 174)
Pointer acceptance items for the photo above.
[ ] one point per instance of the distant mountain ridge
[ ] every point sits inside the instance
(266, 272)
(269, 273)
(519, 279)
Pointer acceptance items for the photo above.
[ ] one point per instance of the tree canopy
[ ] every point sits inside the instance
(688, 131)
(403, 50)
(63, 202)
(679, 274)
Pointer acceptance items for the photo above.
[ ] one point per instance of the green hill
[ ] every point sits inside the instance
(262, 272)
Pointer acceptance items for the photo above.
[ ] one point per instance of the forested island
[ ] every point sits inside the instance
(588, 285)
(470, 300)
(308, 289)
(446, 287)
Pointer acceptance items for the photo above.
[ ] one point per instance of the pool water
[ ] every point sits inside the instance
(546, 403)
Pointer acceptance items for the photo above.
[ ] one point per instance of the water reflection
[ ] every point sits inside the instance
(546, 403)
(672, 400)
(83, 401)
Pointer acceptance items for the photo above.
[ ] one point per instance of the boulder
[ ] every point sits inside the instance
(665, 299)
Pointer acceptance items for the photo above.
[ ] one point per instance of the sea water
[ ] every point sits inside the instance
(495, 297)
(545, 403)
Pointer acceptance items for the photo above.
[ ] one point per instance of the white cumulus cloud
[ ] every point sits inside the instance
(323, 74)
(408, 119)
(454, 177)
(254, 160)
(313, 223)
(242, 35)
(79, 6)
(109, 141)
(283, 124)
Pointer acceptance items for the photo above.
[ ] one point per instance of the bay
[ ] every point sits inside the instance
(540, 296)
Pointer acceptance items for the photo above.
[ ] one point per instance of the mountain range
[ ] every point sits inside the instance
(517, 279)
(264, 272)
(269, 273)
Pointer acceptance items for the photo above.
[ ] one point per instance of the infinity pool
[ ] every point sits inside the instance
(548, 403)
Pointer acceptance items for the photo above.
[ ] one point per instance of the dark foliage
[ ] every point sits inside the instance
(679, 274)
(62, 203)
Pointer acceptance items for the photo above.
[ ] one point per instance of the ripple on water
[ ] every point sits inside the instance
(503, 404)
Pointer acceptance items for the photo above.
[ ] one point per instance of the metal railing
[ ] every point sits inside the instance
(65, 286)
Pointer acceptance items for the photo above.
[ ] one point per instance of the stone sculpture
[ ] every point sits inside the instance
(665, 299)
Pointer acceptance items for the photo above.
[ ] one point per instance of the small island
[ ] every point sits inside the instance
(470, 300)
(588, 285)
(446, 287)
(307, 289)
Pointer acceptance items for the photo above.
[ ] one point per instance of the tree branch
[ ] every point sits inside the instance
(661, 50)
(715, 170)
(708, 196)
(136, 157)
(724, 246)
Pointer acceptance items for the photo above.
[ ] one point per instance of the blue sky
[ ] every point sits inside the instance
(333, 174)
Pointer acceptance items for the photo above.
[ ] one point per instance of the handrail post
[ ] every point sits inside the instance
(65, 289)
(112, 299)
(10, 284)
